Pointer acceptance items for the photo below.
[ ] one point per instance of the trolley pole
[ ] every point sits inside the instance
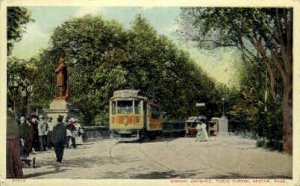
(223, 99)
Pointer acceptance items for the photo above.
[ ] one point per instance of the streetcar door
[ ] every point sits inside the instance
(145, 110)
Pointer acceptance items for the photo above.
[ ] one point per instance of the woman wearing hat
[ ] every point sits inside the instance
(42, 130)
(71, 133)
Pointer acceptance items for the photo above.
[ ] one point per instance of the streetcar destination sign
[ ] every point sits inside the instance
(200, 104)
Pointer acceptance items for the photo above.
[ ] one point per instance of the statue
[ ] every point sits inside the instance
(62, 79)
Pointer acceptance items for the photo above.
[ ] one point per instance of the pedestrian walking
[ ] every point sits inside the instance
(71, 133)
(68, 137)
(13, 159)
(49, 133)
(201, 132)
(25, 137)
(35, 138)
(79, 132)
(204, 131)
(42, 131)
(59, 138)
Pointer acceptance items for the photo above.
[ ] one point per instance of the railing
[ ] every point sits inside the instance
(95, 132)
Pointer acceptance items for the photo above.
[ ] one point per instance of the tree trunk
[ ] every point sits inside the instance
(287, 111)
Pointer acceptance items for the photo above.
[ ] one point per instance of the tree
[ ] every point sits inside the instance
(43, 89)
(261, 116)
(19, 84)
(256, 31)
(166, 72)
(103, 57)
(17, 18)
(95, 52)
(18, 71)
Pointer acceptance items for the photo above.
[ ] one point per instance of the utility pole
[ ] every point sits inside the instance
(200, 105)
(223, 99)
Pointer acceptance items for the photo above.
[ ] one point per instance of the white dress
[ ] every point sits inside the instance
(201, 132)
(78, 139)
(204, 131)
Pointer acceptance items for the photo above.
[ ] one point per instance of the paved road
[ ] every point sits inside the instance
(221, 157)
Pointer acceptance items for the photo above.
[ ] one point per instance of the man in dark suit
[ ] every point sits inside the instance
(59, 138)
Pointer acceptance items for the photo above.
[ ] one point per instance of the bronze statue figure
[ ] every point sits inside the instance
(62, 79)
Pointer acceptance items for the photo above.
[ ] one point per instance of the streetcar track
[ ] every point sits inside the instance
(201, 158)
(205, 163)
(156, 162)
(163, 167)
(188, 156)
(110, 151)
(149, 158)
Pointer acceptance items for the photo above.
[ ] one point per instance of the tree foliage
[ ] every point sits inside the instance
(19, 84)
(261, 115)
(264, 33)
(19, 81)
(103, 57)
(17, 18)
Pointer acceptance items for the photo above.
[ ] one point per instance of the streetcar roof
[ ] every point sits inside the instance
(128, 94)
(132, 93)
(195, 119)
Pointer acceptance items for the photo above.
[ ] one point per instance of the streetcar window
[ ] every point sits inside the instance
(137, 108)
(155, 112)
(113, 105)
(125, 107)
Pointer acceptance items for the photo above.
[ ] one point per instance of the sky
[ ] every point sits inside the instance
(220, 64)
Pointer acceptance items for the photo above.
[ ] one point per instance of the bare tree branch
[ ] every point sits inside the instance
(267, 62)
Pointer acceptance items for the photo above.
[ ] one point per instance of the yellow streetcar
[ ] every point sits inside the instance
(134, 115)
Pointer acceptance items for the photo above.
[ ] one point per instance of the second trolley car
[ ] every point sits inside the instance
(134, 115)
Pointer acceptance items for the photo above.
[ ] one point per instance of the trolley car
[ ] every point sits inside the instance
(134, 115)
(191, 124)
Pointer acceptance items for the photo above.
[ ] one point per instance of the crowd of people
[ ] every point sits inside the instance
(27, 136)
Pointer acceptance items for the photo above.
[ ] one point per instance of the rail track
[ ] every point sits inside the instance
(141, 155)
(110, 152)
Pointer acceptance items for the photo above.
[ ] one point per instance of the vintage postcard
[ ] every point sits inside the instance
(143, 93)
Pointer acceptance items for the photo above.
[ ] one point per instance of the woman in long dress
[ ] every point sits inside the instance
(201, 132)
(13, 159)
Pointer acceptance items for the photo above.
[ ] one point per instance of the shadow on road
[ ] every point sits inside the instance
(150, 175)
(98, 160)
(164, 175)
(56, 170)
(159, 139)
(78, 163)
(241, 176)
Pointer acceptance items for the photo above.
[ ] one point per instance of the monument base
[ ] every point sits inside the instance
(223, 125)
(57, 107)
(63, 108)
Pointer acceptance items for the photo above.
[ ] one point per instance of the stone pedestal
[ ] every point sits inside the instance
(57, 107)
(223, 125)
(61, 107)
